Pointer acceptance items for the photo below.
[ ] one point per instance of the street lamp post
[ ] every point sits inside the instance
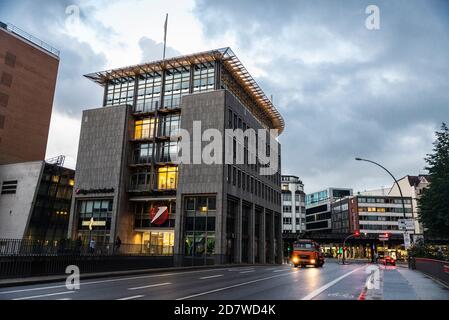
(396, 181)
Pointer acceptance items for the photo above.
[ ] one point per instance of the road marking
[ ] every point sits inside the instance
(210, 277)
(279, 270)
(110, 280)
(230, 287)
(268, 269)
(132, 297)
(44, 295)
(151, 286)
(247, 271)
(316, 292)
(239, 269)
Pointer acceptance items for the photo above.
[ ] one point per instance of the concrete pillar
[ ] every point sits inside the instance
(272, 235)
(251, 231)
(238, 233)
(262, 237)
(280, 248)
(220, 229)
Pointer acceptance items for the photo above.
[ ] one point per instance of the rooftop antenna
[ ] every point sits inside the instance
(165, 35)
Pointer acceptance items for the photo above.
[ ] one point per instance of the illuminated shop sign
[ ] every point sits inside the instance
(92, 223)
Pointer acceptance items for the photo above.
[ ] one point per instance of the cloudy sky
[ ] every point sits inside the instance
(343, 90)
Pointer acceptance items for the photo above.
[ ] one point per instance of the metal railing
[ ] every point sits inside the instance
(33, 39)
(24, 247)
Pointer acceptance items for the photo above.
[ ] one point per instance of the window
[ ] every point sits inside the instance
(286, 196)
(10, 59)
(143, 153)
(286, 208)
(148, 92)
(229, 119)
(204, 77)
(141, 180)
(144, 128)
(200, 225)
(167, 177)
(168, 151)
(169, 124)
(9, 187)
(120, 91)
(4, 99)
(177, 84)
(287, 220)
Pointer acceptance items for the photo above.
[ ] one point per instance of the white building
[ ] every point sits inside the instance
(293, 205)
(412, 186)
(35, 200)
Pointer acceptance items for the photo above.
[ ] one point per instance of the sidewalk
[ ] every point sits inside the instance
(405, 284)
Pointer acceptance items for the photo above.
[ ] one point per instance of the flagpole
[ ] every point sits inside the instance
(165, 35)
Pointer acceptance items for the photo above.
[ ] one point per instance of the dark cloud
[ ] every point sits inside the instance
(152, 50)
(345, 90)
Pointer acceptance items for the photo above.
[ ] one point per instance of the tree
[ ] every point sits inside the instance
(434, 202)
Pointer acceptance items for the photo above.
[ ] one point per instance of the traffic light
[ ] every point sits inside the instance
(386, 235)
(356, 234)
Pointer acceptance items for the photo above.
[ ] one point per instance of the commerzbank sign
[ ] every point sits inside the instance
(94, 191)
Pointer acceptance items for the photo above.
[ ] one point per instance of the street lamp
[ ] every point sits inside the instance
(396, 181)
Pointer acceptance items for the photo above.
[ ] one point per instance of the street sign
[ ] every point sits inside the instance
(406, 224)
(407, 242)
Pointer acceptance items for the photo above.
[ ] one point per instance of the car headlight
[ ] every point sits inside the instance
(312, 260)
(295, 259)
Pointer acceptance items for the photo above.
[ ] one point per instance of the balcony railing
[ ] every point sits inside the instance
(25, 35)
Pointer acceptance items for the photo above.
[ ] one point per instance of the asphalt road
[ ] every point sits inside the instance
(281, 282)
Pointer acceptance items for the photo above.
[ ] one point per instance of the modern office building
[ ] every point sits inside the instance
(28, 71)
(378, 214)
(319, 208)
(412, 186)
(128, 183)
(293, 206)
(35, 199)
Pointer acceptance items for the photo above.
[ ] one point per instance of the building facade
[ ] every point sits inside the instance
(28, 71)
(293, 206)
(35, 199)
(127, 179)
(412, 186)
(319, 208)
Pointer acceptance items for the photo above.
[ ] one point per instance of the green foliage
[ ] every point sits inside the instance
(434, 201)
(422, 250)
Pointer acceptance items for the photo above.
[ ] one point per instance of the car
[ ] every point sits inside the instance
(389, 261)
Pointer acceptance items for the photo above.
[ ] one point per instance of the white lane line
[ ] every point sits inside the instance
(280, 270)
(44, 295)
(235, 269)
(230, 287)
(110, 280)
(132, 297)
(316, 292)
(248, 271)
(268, 269)
(65, 299)
(151, 286)
(210, 277)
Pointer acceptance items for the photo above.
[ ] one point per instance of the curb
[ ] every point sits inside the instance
(5, 283)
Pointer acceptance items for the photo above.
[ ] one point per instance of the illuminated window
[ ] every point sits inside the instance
(144, 128)
(167, 177)
(380, 209)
